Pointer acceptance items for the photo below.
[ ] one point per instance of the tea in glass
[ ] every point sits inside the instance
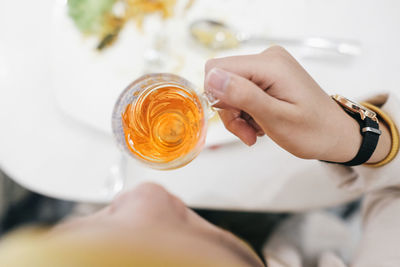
(161, 120)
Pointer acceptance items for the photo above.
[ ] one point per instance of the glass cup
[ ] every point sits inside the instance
(161, 120)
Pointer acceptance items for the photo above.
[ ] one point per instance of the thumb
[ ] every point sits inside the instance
(237, 92)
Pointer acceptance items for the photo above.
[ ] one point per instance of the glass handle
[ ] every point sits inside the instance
(210, 102)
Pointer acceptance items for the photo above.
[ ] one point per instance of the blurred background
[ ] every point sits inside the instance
(64, 63)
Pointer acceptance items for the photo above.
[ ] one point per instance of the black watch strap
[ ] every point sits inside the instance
(370, 132)
(369, 129)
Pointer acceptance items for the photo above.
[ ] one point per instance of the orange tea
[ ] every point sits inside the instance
(164, 123)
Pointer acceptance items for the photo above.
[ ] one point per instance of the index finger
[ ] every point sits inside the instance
(251, 67)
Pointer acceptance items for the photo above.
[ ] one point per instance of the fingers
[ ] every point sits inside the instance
(235, 91)
(252, 123)
(258, 68)
(241, 65)
(250, 92)
(238, 126)
(251, 67)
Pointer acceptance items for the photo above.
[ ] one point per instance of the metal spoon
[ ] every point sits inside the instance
(218, 36)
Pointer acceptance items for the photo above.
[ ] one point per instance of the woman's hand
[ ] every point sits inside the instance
(271, 93)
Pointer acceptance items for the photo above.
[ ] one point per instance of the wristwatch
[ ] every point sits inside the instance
(369, 129)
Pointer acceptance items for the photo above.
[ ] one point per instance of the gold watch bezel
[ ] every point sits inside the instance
(355, 107)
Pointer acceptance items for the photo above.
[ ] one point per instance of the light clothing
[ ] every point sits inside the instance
(322, 234)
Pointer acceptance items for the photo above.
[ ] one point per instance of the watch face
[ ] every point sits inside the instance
(347, 103)
(355, 107)
(353, 104)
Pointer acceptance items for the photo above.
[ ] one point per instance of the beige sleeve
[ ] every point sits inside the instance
(380, 242)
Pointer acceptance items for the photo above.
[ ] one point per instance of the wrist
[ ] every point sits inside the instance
(351, 144)
(349, 141)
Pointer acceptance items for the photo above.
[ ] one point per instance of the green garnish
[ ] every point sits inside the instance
(90, 15)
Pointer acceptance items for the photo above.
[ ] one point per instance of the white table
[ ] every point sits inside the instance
(50, 152)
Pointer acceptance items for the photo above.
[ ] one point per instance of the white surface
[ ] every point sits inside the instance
(48, 146)
(87, 83)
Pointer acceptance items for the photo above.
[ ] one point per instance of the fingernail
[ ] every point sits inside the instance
(216, 82)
